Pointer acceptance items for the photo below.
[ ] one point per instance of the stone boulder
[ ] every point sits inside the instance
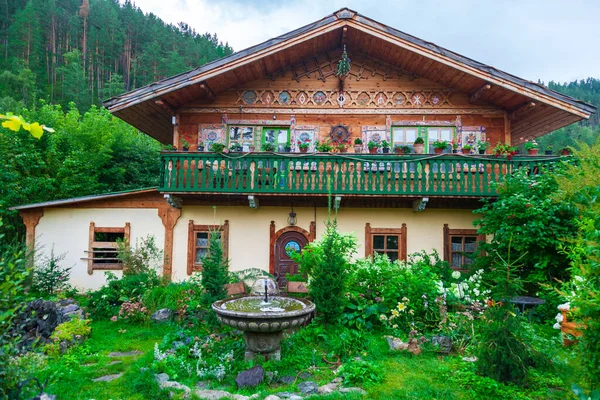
(308, 387)
(162, 315)
(251, 377)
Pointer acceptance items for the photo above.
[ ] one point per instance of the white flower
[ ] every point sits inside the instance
(559, 318)
(564, 307)
(578, 278)
(456, 274)
(556, 326)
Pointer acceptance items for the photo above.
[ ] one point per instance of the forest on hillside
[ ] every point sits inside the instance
(59, 59)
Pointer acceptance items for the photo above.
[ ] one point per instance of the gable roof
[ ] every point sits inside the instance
(552, 109)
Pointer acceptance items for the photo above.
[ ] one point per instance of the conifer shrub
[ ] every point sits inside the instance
(326, 263)
(50, 277)
(215, 275)
(505, 352)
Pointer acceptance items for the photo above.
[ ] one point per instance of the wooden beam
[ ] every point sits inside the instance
(169, 217)
(31, 218)
(479, 92)
(165, 105)
(521, 110)
(209, 93)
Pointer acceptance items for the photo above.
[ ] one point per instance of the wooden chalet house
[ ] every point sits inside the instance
(342, 78)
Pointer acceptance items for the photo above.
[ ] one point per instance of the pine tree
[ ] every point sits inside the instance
(215, 275)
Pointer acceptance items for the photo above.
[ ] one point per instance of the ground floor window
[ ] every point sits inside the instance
(198, 243)
(102, 249)
(460, 246)
(388, 241)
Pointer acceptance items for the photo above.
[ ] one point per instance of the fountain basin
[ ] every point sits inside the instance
(263, 323)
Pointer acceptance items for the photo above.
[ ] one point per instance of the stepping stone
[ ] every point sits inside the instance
(287, 380)
(305, 375)
(125, 353)
(115, 362)
(308, 387)
(353, 390)
(161, 377)
(108, 378)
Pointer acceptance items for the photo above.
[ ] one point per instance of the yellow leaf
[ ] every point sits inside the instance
(36, 130)
(12, 124)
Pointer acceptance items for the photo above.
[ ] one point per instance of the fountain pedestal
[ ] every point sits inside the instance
(263, 323)
(265, 345)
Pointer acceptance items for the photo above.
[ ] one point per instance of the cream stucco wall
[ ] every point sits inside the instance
(67, 230)
(249, 229)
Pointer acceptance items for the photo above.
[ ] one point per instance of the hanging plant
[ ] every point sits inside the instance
(343, 67)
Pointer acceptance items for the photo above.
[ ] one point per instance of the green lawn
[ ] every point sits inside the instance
(404, 376)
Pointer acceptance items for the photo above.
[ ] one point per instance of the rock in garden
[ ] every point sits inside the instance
(396, 344)
(201, 385)
(44, 396)
(305, 375)
(285, 395)
(214, 394)
(308, 387)
(272, 397)
(161, 377)
(251, 377)
(295, 397)
(443, 343)
(469, 359)
(125, 353)
(162, 315)
(108, 378)
(327, 389)
(287, 380)
(353, 390)
(174, 385)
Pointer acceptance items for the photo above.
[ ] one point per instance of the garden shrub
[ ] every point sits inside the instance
(579, 186)
(360, 372)
(144, 258)
(106, 301)
(379, 289)
(525, 215)
(14, 274)
(181, 297)
(68, 334)
(505, 352)
(215, 275)
(326, 263)
(50, 277)
(182, 355)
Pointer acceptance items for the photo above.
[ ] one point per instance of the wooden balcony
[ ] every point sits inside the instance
(447, 175)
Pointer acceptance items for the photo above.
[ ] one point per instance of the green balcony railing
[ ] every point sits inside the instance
(346, 173)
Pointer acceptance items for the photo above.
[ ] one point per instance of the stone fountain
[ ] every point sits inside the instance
(263, 316)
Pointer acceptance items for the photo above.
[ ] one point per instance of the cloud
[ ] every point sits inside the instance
(541, 39)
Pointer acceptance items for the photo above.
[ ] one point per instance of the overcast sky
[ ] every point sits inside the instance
(543, 39)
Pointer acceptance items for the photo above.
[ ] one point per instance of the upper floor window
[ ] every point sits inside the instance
(278, 137)
(243, 136)
(404, 136)
(439, 134)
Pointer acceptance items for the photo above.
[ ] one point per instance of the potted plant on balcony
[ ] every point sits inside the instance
(503, 149)
(565, 151)
(385, 146)
(466, 149)
(358, 145)
(482, 146)
(549, 150)
(373, 146)
(532, 147)
(419, 145)
(287, 148)
(405, 149)
(270, 147)
(235, 147)
(324, 146)
(303, 146)
(217, 148)
(200, 146)
(454, 146)
(185, 145)
(439, 146)
(341, 147)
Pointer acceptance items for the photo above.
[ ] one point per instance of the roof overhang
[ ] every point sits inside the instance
(533, 109)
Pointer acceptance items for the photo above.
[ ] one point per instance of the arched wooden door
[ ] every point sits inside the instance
(282, 263)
